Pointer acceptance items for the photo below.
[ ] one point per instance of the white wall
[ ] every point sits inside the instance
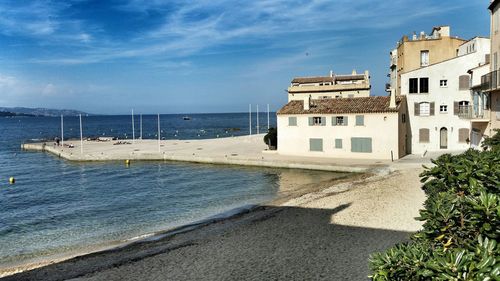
(448, 70)
(381, 127)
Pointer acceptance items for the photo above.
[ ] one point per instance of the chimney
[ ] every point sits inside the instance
(392, 103)
(331, 73)
(307, 102)
(354, 72)
(367, 74)
(422, 35)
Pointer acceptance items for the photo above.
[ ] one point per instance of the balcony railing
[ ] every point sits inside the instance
(469, 112)
(490, 81)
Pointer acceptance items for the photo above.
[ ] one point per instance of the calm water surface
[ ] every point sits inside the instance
(59, 207)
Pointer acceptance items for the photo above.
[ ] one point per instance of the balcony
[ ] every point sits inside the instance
(475, 115)
(490, 81)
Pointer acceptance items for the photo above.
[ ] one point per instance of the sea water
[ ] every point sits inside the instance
(58, 207)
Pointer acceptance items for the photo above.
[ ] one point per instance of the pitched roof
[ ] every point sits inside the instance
(315, 79)
(376, 104)
(493, 4)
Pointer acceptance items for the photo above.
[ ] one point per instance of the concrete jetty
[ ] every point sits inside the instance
(242, 150)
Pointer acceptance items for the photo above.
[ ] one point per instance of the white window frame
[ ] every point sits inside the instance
(443, 108)
(424, 58)
(317, 121)
(425, 109)
(443, 83)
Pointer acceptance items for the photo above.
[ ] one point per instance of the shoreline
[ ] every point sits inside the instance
(166, 242)
(145, 238)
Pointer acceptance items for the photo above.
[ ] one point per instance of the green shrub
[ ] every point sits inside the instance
(461, 215)
(271, 138)
(492, 142)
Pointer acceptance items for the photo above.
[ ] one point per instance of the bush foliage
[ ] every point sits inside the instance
(461, 227)
(271, 138)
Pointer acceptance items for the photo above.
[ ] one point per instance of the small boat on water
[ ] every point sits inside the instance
(186, 118)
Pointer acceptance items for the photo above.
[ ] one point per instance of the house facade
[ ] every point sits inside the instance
(356, 128)
(440, 101)
(331, 86)
(421, 50)
(490, 82)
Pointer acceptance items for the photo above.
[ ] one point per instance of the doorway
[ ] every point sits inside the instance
(443, 142)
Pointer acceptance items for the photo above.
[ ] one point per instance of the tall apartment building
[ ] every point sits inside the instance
(420, 51)
(490, 82)
(441, 106)
(332, 86)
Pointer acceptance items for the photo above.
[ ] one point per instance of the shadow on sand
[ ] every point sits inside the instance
(268, 243)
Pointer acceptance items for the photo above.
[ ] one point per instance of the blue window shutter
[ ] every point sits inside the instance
(316, 144)
(334, 121)
(361, 145)
(323, 121)
(345, 120)
(292, 121)
(338, 143)
(360, 120)
(310, 121)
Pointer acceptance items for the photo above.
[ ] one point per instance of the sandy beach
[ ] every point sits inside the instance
(324, 235)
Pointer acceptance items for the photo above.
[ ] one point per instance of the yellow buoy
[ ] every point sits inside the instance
(127, 162)
(12, 180)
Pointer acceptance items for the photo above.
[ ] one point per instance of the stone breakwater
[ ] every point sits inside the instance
(243, 150)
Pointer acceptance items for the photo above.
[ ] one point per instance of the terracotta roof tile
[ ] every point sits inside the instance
(343, 106)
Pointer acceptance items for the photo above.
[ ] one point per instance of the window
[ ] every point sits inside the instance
(338, 143)
(463, 134)
(316, 144)
(363, 145)
(443, 109)
(292, 121)
(461, 108)
(443, 83)
(425, 109)
(424, 58)
(413, 85)
(360, 120)
(339, 120)
(317, 121)
(424, 85)
(423, 135)
(463, 82)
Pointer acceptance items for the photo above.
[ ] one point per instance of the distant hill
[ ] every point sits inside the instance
(12, 114)
(25, 111)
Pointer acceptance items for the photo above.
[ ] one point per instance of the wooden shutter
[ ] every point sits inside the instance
(292, 121)
(463, 134)
(487, 58)
(338, 143)
(417, 109)
(363, 145)
(334, 121)
(432, 106)
(311, 122)
(360, 120)
(463, 82)
(316, 144)
(423, 135)
(323, 121)
(346, 120)
(455, 107)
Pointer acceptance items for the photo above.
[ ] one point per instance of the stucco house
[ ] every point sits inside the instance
(363, 128)
(439, 99)
(331, 86)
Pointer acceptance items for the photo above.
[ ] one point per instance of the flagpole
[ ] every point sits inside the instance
(258, 131)
(141, 125)
(62, 131)
(81, 135)
(250, 117)
(159, 133)
(133, 129)
(268, 117)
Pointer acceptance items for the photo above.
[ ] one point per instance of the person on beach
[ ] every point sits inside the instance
(57, 140)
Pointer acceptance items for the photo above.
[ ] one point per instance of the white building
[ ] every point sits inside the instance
(331, 86)
(439, 99)
(362, 128)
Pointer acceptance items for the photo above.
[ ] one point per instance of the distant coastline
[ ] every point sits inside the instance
(38, 112)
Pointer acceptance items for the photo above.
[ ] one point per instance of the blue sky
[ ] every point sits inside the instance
(177, 56)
